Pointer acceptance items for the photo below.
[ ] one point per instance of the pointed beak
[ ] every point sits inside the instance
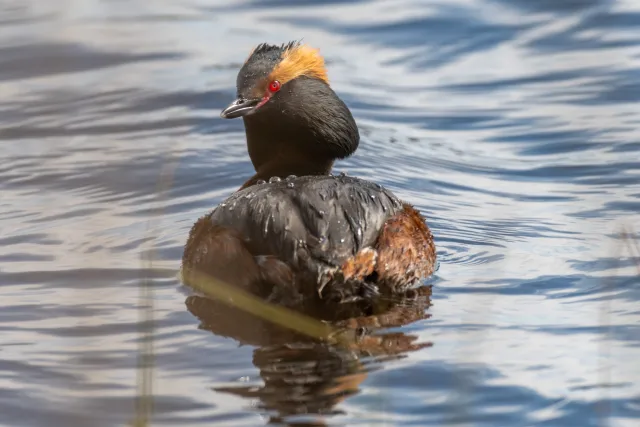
(238, 108)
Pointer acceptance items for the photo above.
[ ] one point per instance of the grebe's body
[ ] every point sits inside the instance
(293, 230)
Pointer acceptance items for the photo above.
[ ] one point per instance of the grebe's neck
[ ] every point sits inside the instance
(282, 169)
(301, 131)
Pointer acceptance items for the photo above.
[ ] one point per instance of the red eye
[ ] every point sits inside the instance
(274, 86)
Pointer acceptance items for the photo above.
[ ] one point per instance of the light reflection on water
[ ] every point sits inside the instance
(511, 125)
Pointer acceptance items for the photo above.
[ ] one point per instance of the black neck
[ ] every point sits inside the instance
(300, 131)
(282, 170)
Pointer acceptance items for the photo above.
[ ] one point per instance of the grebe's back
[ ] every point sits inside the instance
(310, 222)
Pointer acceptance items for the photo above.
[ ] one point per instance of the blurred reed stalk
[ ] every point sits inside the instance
(281, 316)
(631, 242)
(626, 240)
(146, 326)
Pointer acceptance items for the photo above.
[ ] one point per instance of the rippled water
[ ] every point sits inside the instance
(513, 125)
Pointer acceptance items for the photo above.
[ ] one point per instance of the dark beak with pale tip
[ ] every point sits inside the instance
(238, 108)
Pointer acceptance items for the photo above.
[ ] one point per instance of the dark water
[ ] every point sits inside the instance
(513, 125)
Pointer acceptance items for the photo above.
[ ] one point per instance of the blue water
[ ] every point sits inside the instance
(512, 125)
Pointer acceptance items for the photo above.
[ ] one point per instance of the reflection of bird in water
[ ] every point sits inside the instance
(303, 376)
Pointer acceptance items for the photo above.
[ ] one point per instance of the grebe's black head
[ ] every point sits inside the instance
(289, 110)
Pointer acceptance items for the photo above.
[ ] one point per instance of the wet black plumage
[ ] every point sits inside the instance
(314, 222)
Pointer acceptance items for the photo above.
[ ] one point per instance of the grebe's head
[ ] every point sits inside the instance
(268, 70)
(283, 93)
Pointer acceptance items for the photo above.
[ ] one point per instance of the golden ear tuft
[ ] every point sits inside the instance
(300, 60)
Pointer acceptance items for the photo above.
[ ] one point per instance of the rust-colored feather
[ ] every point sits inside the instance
(299, 60)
